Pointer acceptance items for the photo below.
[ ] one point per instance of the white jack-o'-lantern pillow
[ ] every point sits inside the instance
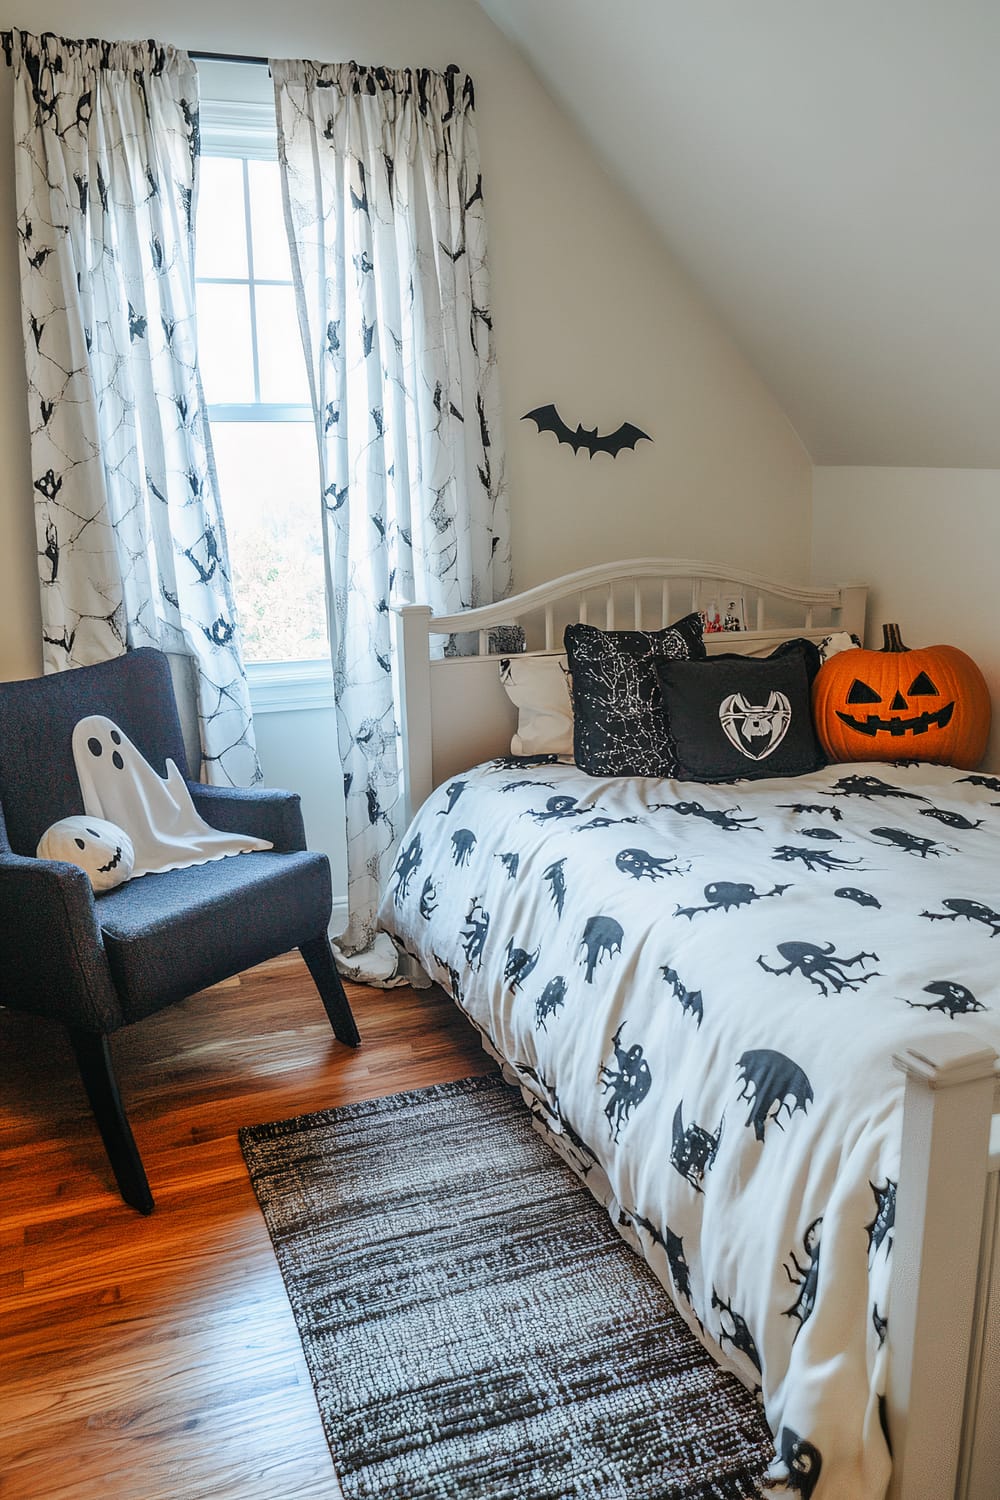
(100, 848)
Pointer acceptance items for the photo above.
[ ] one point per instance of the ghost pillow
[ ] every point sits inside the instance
(101, 849)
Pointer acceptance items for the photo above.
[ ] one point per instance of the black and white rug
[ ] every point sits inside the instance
(474, 1326)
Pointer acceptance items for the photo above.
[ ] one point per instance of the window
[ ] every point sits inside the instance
(257, 392)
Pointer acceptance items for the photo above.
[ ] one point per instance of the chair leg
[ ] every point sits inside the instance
(319, 958)
(93, 1056)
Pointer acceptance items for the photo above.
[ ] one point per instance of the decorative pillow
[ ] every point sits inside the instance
(841, 640)
(619, 728)
(538, 686)
(100, 848)
(741, 716)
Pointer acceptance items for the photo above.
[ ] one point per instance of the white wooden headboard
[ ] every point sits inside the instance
(454, 712)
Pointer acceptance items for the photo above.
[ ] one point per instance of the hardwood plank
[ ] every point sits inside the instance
(156, 1358)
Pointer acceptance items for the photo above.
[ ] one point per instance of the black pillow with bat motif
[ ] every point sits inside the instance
(741, 716)
(619, 728)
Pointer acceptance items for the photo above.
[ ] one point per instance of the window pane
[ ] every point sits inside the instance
(267, 217)
(225, 347)
(279, 347)
(220, 231)
(269, 480)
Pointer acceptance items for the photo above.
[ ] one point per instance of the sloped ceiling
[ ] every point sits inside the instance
(828, 171)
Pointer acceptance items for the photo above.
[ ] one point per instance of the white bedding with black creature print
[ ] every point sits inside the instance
(699, 990)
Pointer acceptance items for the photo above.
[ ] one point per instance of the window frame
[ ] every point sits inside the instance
(247, 130)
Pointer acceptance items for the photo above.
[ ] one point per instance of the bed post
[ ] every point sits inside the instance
(947, 1113)
(413, 658)
(853, 602)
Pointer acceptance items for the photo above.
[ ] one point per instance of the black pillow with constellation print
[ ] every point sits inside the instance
(741, 716)
(618, 724)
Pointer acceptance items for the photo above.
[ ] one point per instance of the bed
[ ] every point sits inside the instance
(759, 1019)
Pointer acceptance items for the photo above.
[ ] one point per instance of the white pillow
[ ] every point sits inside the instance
(538, 686)
(841, 640)
(100, 848)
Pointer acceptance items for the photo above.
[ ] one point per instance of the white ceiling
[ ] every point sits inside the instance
(828, 171)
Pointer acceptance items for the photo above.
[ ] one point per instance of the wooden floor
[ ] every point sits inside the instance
(157, 1358)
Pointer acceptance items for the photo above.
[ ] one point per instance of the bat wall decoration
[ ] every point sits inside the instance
(549, 420)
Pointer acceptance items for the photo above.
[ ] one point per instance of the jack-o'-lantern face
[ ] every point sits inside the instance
(895, 704)
(921, 695)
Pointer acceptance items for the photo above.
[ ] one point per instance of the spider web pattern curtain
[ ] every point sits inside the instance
(384, 206)
(131, 542)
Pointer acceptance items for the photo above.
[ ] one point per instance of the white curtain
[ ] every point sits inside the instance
(384, 206)
(131, 541)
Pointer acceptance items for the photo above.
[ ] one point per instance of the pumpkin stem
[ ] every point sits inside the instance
(892, 641)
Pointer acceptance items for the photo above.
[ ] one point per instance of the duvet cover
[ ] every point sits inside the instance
(699, 990)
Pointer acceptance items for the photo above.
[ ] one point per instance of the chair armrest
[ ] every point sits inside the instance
(52, 958)
(260, 811)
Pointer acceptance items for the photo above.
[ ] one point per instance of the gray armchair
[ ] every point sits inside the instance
(97, 963)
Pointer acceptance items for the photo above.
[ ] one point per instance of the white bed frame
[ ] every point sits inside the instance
(943, 1397)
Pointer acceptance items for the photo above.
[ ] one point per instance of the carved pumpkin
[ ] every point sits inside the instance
(897, 704)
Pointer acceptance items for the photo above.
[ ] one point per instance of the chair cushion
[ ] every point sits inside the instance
(168, 935)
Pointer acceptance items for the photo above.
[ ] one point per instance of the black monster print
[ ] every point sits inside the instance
(642, 865)
(555, 876)
(991, 783)
(556, 807)
(626, 1083)
(602, 822)
(515, 786)
(519, 965)
(462, 844)
(862, 898)
(690, 999)
(739, 1335)
(871, 786)
(772, 1083)
(829, 835)
(521, 762)
(454, 979)
(452, 792)
(884, 1221)
(693, 1150)
(803, 808)
(552, 998)
(972, 911)
(680, 1271)
(474, 935)
(909, 842)
(821, 966)
(407, 862)
(953, 999)
(601, 935)
(803, 1461)
(723, 895)
(428, 899)
(805, 1277)
(673, 1245)
(724, 820)
(950, 819)
(814, 859)
(510, 863)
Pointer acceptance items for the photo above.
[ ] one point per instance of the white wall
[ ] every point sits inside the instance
(927, 541)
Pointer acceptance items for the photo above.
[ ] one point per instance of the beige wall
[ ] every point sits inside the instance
(927, 541)
(590, 310)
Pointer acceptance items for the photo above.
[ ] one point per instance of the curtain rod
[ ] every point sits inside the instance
(234, 57)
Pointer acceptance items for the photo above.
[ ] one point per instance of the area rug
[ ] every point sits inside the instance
(474, 1326)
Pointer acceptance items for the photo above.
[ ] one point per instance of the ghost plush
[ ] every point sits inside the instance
(156, 811)
(102, 849)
